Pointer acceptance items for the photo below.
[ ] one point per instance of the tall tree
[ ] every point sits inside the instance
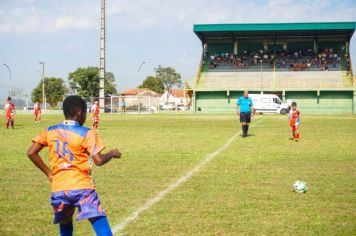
(85, 81)
(55, 89)
(169, 77)
(154, 84)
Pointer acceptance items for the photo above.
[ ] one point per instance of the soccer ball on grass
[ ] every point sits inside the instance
(300, 186)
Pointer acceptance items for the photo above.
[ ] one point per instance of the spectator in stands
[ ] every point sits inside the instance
(296, 56)
(255, 59)
(284, 64)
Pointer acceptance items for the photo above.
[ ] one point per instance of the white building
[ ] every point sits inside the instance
(144, 97)
(176, 96)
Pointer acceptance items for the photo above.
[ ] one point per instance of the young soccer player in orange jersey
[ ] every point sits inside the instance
(37, 112)
(9, 113)
(294, 119)
(71, 149)
(95, 111)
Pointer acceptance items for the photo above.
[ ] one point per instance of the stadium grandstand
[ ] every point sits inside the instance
(306, 62)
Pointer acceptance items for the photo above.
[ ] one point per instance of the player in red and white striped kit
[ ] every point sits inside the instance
(95, 112)
(9, 113)
(294, 120)
(37, 112)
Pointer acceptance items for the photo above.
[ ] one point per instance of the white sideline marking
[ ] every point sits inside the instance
(174, 185)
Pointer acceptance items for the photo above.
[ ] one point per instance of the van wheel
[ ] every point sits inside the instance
(284, 111)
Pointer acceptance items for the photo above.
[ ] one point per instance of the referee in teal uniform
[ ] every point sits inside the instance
(244, 108)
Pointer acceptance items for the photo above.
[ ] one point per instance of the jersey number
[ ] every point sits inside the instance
(62, 151)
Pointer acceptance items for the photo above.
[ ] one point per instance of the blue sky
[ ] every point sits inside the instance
(65, 33)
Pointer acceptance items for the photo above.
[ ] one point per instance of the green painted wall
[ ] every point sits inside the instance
(300, 45)
(328, 102)
(331, 44)
(249, 46)
(336, 102)
(306, 101)
(212, 101)
(220, 47)
(354, 103)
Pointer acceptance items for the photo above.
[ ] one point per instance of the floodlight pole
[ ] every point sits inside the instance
(261, 78)
(8, 68)
(43, 86)
(139, 68)
(102, 58)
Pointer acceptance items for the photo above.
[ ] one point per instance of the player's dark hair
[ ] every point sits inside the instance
(72, 105)
(294, 104)
(9, 98)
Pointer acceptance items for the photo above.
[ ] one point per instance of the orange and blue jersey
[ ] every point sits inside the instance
(294, 118)
(71, 147)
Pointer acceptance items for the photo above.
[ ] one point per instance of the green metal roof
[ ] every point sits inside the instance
(340, 30)
(276, 26)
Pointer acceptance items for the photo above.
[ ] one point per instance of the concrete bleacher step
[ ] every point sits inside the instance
(284, 79)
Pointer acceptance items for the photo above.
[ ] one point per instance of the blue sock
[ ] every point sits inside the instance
(101, 226)
(66, 230)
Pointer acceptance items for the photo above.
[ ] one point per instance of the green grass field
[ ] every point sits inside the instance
(246, 189)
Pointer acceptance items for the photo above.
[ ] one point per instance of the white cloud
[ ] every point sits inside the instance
(59, 16)
(33, 19)
(71, 23)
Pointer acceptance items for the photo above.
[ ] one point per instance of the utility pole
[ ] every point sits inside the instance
(43, 87)
(102, 58)
(8, 68)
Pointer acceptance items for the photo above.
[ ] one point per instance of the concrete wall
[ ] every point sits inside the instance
(323, 102)
(312, 102)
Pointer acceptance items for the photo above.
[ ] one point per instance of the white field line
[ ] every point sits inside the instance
(117, 228)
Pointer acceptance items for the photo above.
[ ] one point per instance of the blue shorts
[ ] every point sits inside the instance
(65, 202)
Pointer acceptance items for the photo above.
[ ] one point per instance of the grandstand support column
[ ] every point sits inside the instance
(347, 47)
(235, 47)
(315, 45)
(102, 58)
(354, 103)
(261, 78)
(284, 95)
(194, 103)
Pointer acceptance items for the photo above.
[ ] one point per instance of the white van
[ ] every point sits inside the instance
(269, 103)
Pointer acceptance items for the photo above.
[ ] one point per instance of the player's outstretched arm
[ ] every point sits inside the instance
(100, 159)
(32, 153)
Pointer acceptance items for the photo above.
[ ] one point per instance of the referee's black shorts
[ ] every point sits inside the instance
(245, 117)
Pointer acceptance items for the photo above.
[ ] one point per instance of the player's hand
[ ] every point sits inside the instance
(115, 153)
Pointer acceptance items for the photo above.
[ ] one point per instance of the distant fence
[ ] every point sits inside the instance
(113, 104)
(137, 104)
(21, 102)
